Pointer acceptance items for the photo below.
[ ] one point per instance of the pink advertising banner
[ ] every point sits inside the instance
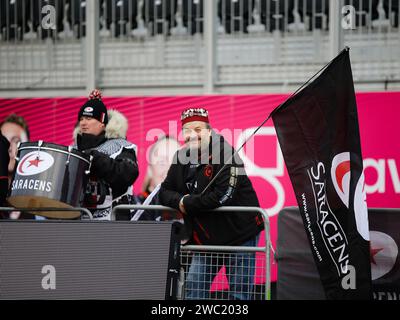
(234, 116)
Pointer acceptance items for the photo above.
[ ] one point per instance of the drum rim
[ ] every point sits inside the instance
(48, 145)
(56, 150)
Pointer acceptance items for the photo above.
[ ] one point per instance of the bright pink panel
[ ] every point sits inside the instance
(52, 120)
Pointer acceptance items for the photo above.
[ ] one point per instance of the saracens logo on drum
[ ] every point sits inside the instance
(34, 163)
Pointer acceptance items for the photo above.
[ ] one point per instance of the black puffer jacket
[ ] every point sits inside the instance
(231, 188)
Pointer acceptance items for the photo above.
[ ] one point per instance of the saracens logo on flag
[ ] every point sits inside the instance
(384, 253)
(34, 162)
(340, 174)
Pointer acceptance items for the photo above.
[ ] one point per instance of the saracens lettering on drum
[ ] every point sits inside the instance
(32, 184)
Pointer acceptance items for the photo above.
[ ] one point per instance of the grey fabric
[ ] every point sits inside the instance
(112, 146)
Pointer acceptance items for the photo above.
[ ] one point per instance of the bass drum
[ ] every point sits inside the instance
(49, 175)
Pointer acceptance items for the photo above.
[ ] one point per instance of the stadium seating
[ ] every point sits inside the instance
(193, 15)
(120, 16)
(35, 17)
(21, 19)
(12, 19)
(235, 15)
(160, 14)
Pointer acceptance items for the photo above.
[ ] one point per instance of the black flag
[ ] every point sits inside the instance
(318, 132)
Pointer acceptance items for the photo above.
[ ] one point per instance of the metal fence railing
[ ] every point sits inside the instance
(157, 43)
(227, 272)
(241, 276)
(245, 271)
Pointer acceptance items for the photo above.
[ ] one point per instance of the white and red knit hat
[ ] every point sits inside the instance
(194, 114)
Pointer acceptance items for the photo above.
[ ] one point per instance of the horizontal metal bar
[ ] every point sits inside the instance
(164, 208)
(222, 248)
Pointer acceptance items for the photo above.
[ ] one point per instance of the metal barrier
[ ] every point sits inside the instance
(86, 211)
(216, 256)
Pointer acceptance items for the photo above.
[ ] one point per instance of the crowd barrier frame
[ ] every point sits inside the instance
(215, 248)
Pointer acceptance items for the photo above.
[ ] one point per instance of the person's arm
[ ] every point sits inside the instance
(169, 196)
(4, 160)
(119, 173)
(219, 194)
(3, 189)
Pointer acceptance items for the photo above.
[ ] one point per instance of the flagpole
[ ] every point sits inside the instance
(269, 116)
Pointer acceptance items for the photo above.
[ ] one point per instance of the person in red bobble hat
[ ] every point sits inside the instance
(101, 133)
(204, 175)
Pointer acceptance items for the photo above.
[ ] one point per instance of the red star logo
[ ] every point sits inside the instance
(373, 252)
(35, 162)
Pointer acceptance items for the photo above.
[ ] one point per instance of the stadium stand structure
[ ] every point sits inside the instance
(158, 47)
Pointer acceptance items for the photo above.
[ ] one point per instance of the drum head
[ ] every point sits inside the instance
(48, 175)
(25, 201)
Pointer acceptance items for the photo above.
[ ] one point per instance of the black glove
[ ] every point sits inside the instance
(119, 173)
(101, 164)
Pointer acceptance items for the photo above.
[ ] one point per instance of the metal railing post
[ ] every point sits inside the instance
(336, 37)
(92, 44)
(210, 41)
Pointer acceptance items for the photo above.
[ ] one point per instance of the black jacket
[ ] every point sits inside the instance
(106, 173)
(231, 188)
(4, 159)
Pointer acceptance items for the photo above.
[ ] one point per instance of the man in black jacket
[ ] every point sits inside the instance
(102, 134)
(183, 189)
